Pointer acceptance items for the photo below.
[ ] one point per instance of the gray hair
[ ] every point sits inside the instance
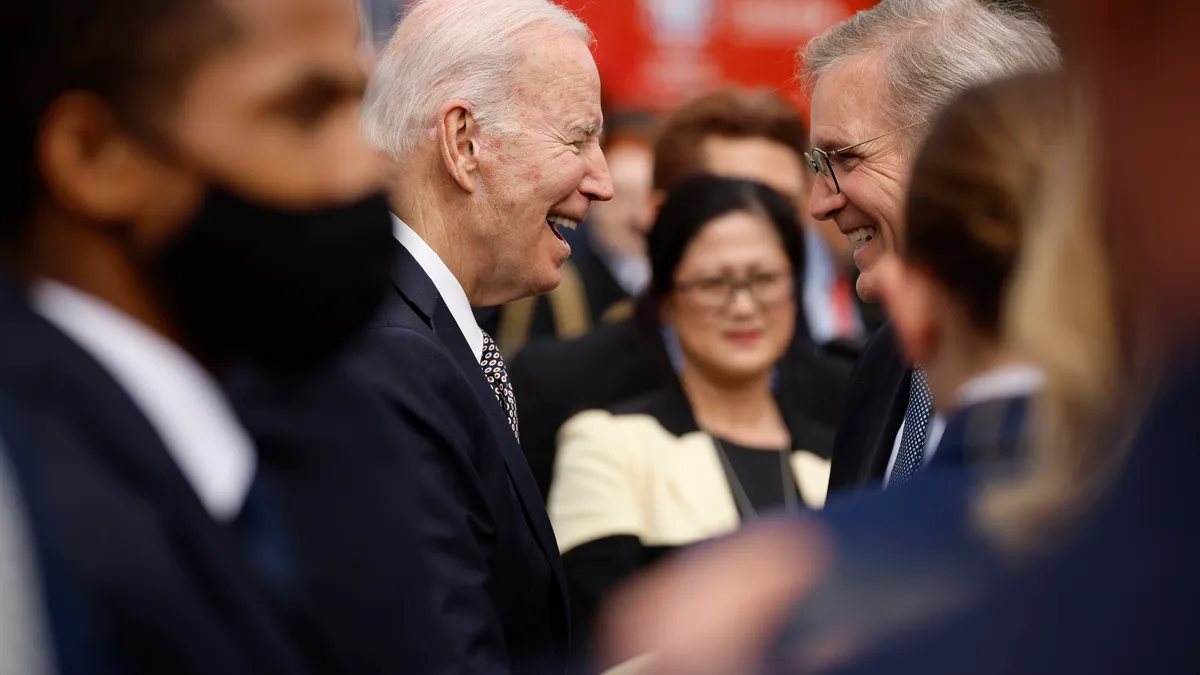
(933, 50)
(450, 49)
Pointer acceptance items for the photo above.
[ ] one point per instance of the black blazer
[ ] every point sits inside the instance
(875, 405)
(172, 589)
(169, 583)
(497, 576)
(615, 362)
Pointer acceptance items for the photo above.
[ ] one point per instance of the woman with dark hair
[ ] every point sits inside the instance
(714, 449)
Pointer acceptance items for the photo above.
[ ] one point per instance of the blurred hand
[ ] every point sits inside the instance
(713, 611)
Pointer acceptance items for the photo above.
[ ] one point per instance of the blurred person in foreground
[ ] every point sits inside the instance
(489, 112)
(189, 205)
(608, 264)
(694, 459)
(1118, 593)
(876, 81)
(739, 133)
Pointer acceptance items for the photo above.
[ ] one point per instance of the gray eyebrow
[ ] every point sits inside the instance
(587, 128)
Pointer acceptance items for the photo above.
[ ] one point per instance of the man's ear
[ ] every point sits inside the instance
(458, 139)
(89, 164)
(911, 301)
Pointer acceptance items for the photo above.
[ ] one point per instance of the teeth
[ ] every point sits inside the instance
(562, 222)
(861, 237)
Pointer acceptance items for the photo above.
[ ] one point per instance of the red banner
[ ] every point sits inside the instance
(654, 54)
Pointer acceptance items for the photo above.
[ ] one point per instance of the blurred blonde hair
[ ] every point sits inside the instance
(1060, 315)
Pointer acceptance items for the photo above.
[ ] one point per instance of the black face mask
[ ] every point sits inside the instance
(249, 284)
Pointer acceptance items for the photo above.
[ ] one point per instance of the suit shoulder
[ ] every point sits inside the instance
(403, 358)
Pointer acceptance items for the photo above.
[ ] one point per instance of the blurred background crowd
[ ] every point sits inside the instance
(675, 337)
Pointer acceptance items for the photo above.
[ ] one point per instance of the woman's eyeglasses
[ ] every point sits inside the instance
(767, 289)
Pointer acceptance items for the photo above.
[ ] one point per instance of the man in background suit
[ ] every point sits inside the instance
(490, 112)
(739, 133)
(863, 144)
(190, 198)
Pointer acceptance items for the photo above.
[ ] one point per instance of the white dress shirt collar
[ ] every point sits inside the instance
(1013, 381)
(447, 285)
(181, 400)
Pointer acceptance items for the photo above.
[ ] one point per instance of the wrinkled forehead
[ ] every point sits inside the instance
(846, 104)
(558, 76)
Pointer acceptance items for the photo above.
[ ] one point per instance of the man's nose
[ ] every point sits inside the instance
(824, 203)
(597, 182)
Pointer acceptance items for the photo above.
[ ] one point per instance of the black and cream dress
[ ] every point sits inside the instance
(641, 480)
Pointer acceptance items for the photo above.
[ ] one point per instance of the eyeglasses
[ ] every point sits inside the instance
(767, 289)
(818, 159)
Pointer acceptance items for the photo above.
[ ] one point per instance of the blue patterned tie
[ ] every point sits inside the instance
(493, 369)
(911, 456)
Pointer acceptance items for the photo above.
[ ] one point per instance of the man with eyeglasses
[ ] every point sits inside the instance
(875, 81)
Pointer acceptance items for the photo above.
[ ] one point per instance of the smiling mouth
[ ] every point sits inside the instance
(861, 237)
(555, 222)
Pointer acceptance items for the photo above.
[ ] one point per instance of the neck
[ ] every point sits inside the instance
(87, 258)
(732, 408)
(430, 217)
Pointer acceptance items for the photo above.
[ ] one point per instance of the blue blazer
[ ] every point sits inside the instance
(1115, 594)
(173, 589)
(498, 584)
(911, 553)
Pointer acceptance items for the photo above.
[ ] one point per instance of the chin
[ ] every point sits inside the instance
(742, 369)
(866, 288)
(546, 281)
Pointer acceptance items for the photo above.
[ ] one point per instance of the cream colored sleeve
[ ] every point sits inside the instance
(596, 472)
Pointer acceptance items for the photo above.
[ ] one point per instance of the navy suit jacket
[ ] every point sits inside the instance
(874, 409)
(1119, 592)
(912, 553)
(499, 587)
(170, 586)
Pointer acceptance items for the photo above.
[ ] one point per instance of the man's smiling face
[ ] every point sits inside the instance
(869, 209)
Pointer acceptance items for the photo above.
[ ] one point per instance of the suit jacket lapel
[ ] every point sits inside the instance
(123, 439)
(514, 458)
(419, 291)
(891, 405)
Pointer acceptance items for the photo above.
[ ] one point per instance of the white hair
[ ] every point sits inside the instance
(932, 51)
(455, 49)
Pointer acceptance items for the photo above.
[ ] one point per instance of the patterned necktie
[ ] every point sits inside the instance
(911, 456)
(493, 369)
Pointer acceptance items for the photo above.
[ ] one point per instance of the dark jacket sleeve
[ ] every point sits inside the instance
(433, 404)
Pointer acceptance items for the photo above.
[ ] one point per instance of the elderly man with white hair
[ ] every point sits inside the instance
(876, 80)
(489, 112)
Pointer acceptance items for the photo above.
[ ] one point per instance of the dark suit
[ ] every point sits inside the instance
(555, 380)
(874, 410)
(913, 553)
(501, 599)
(1116, 594)
(175, 590)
